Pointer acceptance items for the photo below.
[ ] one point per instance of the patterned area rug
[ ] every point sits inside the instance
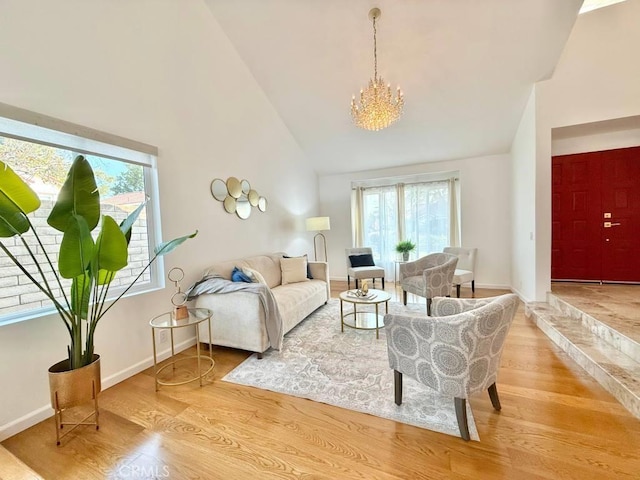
(348, 370)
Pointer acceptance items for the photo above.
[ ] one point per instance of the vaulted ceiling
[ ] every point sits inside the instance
(466, 68)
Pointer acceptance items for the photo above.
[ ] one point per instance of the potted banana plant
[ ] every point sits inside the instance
(91, 265)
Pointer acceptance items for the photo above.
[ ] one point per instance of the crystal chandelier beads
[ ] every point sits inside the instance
(377, 107)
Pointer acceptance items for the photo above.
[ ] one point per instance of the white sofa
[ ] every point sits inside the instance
(238, 319)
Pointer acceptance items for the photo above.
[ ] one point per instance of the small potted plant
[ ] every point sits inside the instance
(405, 247)
(90, 262)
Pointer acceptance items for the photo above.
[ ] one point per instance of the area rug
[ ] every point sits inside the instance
(348, 370)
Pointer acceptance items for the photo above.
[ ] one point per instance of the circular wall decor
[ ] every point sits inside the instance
(230, 204)
(219, 189)
(237, 196)
(234, 188)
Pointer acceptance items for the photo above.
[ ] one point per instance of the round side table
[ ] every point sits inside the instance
(167, 320)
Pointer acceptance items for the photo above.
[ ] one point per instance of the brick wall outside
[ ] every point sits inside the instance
(17, 293)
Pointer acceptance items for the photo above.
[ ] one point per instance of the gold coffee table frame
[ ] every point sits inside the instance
(167, 320)
(364, 320)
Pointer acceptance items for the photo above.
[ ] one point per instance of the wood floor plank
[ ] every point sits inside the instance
(556, 423)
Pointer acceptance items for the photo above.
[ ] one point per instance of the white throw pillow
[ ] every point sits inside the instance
(294, 270)
(254, 275)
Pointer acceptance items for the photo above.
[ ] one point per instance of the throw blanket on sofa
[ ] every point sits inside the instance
(214, 283)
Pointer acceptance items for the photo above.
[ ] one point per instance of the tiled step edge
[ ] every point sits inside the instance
(618, 373)
(620, 341)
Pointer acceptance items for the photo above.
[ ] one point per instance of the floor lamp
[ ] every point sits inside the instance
(319, 224)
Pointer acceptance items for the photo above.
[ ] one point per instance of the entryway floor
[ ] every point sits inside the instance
(615, 305)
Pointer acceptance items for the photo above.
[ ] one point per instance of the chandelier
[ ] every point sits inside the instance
(377, 108)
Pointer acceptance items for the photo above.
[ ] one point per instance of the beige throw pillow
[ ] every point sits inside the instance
(254, 275)
(294, 270)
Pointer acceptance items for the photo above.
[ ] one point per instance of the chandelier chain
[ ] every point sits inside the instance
(375, 49)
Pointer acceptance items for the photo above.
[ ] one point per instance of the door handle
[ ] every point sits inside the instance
(610, 224)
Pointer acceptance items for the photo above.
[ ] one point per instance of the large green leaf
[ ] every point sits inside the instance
(77, 249)
(127, 223)
(16, 200)
(169, 246)
(111, 247)
(12, 220)
(17, 191)
(81, 294)
(78, 196)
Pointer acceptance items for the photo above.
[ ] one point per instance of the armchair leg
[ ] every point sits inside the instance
(348, 282)
(428, 306)
(461, 415)
(458, 290)
(383, 283)
(493, 395)
(357, 286)
(397, 383)
(473, 286)
(404, 297)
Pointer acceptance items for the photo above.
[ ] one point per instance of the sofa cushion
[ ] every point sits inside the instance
(254, 275)
(267, 265)
(294, 270)
(297, 300)
(309, 276)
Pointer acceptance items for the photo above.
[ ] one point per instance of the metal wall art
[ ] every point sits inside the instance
(237, 196)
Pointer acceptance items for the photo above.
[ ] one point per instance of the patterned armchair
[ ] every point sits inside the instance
(429, 277)
(456, 352)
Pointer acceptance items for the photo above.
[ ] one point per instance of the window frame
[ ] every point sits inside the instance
(31, 127)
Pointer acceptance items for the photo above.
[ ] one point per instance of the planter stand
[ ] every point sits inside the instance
(70, 388)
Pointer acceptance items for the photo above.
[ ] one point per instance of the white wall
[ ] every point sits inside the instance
(596, 142)
(485, 212)
(595, 80)
(160, 72)
(523, 194)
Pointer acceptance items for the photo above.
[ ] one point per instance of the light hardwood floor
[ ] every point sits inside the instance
(556, 423)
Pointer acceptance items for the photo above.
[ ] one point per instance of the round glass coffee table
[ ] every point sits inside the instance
(364, 320)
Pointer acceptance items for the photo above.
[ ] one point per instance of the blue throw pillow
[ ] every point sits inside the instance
(238, 275)
(364, 260)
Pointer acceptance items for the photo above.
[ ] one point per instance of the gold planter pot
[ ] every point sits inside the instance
(71, 388)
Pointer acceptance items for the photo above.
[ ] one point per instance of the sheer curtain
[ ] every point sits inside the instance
(375, 223)
(427, 213)
(427, 217)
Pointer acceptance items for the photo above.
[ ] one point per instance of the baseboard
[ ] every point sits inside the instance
(36, 416)
(520, 295)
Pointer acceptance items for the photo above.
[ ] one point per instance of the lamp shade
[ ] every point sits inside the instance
(316, 224)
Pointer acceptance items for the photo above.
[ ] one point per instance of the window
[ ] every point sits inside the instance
(415, 209)
(125, 173)
(426, 217)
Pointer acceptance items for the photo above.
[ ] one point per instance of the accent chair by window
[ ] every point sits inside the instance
(465, 271)
(360, 265)
(430, 276)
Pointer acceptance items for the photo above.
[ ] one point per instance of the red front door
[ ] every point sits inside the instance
(621, 215)
(596, 216)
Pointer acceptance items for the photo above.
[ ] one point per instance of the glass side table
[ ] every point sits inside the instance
(167, 320)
